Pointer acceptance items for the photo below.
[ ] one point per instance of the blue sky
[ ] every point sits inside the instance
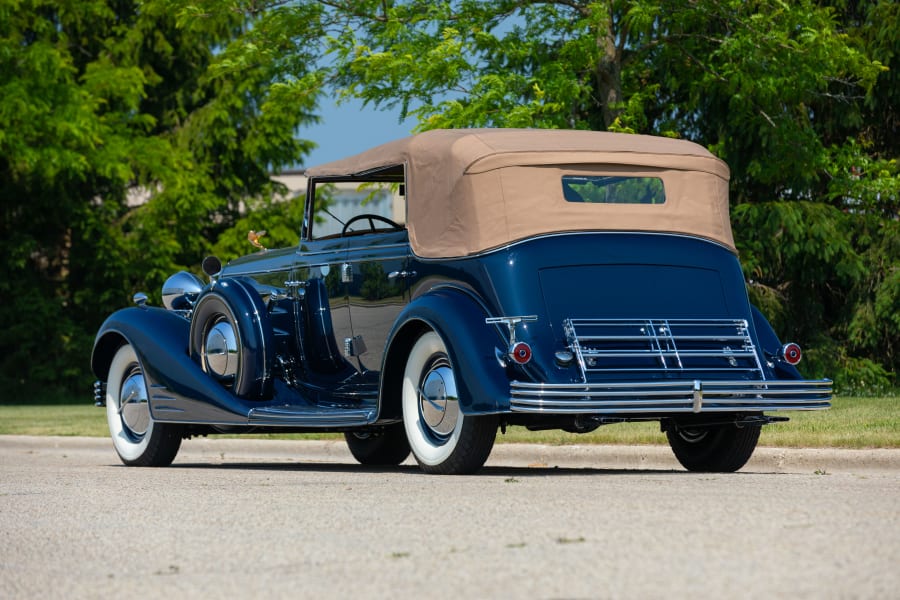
(349, 128)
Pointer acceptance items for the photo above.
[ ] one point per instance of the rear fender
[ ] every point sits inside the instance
(771, 346)
(481, 380)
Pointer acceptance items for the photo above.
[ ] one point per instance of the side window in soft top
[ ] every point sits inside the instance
(358, 207)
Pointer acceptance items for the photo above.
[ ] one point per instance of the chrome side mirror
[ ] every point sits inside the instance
(180, 291)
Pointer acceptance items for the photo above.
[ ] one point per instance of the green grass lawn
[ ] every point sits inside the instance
(851, 423)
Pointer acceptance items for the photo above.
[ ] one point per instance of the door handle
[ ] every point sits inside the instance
(401, 274)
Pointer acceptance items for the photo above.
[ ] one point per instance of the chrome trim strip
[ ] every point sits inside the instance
(668, 353)
(570, 233)
(679, 383)
(338, 250)
(643, 411)
(404, 245)
(344, 250)
(373, 258)
(736, 370)
(236, 272)
(695, 396)
(312, 417)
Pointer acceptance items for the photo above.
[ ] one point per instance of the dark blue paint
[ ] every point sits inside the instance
(591, 275)
(483, 384)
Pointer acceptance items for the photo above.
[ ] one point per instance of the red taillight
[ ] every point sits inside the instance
(791, 353)
(520, 352)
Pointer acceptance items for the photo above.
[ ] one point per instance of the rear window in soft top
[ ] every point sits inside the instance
(613, 189)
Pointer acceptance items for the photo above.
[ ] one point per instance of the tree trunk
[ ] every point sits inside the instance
(609, 74)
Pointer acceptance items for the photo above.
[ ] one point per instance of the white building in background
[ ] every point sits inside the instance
(346, 200)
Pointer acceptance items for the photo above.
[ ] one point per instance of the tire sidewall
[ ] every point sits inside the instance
(129, 449)
(207, 311)
(385, 448)
(426, 448)
(722, 449)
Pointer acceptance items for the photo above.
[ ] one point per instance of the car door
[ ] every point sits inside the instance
(354, 235)
(378, 290)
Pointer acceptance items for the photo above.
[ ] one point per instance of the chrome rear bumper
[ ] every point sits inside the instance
(685, 396)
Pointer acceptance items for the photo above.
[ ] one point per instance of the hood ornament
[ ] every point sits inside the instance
(253, 238)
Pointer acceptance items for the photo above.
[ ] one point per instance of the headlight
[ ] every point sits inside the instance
(180, 291)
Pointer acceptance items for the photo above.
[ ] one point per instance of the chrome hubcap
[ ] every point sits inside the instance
(438, 399)
(221, 350)
(133, 407)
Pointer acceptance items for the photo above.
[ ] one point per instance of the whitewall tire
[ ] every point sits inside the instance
(442, 439)
(137, 439)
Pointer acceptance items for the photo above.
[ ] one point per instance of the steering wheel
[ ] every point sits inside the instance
(372, 218)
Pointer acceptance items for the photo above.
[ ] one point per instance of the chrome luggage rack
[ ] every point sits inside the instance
(665, 366)
(675, 346)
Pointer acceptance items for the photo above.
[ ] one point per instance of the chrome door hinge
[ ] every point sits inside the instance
(296, 289)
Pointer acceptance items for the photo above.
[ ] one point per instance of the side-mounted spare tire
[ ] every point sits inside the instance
(231, 338)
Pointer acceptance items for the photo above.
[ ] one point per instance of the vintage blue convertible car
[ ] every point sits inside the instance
(545, 279)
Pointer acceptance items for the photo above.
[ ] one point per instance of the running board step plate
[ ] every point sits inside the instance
(292, 416)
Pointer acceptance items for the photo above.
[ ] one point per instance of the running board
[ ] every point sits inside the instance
(293, 416)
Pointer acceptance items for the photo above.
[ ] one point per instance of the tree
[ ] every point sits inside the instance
(195, 103)
(130, 134)
(790, 95)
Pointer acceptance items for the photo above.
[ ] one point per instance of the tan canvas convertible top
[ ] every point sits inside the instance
(470, 190)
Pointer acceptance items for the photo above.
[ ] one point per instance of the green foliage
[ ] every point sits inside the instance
(799, 98)
(131, 134)
(471, 63)
(279, 217)
(137, 136)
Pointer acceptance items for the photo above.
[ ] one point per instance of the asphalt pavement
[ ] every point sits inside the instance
(239, 518)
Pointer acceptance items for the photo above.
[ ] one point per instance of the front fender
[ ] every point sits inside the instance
(481, 381)
(179, 389)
